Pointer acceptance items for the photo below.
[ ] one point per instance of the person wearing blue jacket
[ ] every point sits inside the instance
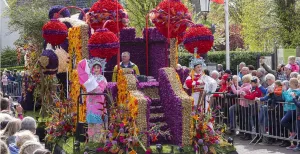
(289, 109)
(296, 100)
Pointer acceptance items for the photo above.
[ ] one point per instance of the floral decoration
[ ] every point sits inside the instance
(105, 10)
(198, 36)
(55, 9)
(75, 52)
(135, 102)
(62, 123)
(103, 44)
(174, 97)
(123, 135)
(160, 17)
(63, 60)
(207, 135)
(55, 32)
(49, 62)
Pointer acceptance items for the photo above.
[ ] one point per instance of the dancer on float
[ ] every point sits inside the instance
(193, 81)
(90, 75)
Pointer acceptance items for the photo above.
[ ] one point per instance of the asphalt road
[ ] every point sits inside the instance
(243, 147)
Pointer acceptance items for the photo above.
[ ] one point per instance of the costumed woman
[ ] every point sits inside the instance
(193, 81)
(90, 76)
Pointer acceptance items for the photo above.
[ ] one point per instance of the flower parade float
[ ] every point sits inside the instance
(150, 116)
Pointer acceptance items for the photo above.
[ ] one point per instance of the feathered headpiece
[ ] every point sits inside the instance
(97, 61)
(196, 60)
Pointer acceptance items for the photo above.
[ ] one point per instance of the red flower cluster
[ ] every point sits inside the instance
(63, 122)
(178, 12)
(55, 32)
(105, 10)
(103, 44)
(199, 37)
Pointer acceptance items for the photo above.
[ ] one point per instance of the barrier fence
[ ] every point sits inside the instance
(13, 89)
(259, 119)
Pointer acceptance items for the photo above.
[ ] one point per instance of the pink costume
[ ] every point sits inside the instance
(246, 87)
(96, 115)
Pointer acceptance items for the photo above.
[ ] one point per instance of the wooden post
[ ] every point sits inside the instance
(297, 51)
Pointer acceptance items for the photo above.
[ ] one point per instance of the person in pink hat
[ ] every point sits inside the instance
(292, 64)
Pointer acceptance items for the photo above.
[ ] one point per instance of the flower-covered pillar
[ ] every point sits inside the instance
(136, 103)
(173, 97)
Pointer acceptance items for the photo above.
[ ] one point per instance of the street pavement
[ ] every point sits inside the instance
(243, 147)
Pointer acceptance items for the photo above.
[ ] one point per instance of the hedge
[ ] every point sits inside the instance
(219, 57)
(19, 68)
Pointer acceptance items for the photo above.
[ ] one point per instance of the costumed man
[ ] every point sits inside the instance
(193, 81)
(126, 63)
(90, 76)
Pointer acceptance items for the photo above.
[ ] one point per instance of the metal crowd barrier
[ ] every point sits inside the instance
(13, 89)
(260, 119)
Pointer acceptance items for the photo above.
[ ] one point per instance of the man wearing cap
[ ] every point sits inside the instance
(279, 73)
(126, 63)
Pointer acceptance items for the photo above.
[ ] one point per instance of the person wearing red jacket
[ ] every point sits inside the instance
(255, 92)
(224, 87)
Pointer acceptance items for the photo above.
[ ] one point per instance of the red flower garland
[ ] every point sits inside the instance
(103, 44)
(55, 32)
(178, 12)
(104, 10)
(200, 37)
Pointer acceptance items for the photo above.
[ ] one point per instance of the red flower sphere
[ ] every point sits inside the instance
(105, 10)
(199, 37)
(55, 32)
(178, 12)
(103, 44)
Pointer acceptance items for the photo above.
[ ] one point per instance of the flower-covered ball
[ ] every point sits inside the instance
(199, 37)
(103, 44)
(104, 10)
(178, 13)
(49, 62)
(55, 32)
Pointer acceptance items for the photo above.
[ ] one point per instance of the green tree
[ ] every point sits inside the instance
(259, 24)
(9, 58)
(137, 11)
(288, 15)
(28, 19)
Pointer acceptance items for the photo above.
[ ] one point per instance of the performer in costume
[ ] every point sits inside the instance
(90, 75)
(193, 81)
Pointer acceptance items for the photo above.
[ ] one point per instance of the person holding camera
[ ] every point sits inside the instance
(6, 108)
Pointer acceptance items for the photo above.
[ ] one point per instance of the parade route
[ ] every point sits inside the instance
(243, 147)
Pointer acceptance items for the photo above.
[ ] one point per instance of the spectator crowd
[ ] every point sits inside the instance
(264, 101)
(17, 133)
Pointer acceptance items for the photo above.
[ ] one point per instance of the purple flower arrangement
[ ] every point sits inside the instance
(173, 98)
(137, 48)
(143, 85)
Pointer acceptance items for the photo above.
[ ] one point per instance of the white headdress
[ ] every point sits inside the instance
(197, 61)
(98, 61)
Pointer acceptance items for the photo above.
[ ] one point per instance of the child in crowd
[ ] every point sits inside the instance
(285, 85)
(290, 109)
(278, 90)
(293, 64)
